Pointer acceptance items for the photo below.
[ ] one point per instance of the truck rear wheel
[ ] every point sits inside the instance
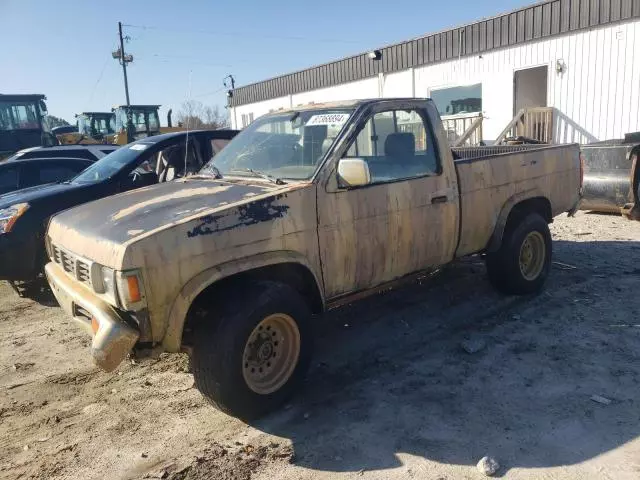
(255, 355)
(522, 263)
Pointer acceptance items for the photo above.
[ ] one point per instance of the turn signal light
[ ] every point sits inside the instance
(134, 289)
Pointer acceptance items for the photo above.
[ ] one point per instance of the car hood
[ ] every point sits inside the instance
(37, 193)
(124, 217)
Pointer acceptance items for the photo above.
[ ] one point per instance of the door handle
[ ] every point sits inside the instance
(439, 199)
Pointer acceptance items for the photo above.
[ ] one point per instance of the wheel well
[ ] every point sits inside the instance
(295, 275)
(539, 205)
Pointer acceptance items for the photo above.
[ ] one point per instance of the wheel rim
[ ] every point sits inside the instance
(532, 255)
(271, 353)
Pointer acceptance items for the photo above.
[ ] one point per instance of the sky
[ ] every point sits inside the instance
(183, 49)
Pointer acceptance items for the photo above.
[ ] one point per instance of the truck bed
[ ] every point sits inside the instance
(493, 179)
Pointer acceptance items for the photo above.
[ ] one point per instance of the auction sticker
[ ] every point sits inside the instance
(328, 119)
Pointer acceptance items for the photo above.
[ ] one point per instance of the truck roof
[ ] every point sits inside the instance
(342, 104)
(95, 113)
(17, 97)
(136, 106)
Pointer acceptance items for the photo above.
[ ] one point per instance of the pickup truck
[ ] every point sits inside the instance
(305, 210)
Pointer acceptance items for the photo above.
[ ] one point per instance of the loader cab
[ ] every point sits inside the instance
(97, 125)
(134, 122)
(24, 123)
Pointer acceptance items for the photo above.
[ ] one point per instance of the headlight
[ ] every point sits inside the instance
(9, 216)
(103, 280)
(131, 290)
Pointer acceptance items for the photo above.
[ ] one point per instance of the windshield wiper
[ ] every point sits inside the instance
(258, 173)
(215, 173)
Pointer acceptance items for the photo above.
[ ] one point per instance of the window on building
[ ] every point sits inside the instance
(247, 118)
(396, 144)
(455, 100)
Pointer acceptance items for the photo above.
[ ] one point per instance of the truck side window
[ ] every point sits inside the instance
(396, 144)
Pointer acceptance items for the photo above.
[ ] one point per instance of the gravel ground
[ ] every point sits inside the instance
(392, 394)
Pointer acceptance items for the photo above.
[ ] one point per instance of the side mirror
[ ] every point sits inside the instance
(353, 172)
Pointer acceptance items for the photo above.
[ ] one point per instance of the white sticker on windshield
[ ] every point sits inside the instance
(138, 146)
(328, 119)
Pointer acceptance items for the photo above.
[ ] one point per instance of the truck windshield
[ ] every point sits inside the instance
(111, 164)
(289, 145)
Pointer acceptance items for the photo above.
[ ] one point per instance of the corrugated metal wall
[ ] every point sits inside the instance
(539, 21)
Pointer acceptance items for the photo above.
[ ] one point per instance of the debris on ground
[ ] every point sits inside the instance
(473, 345)
(601, 399)
(488, 466)
(564, 266)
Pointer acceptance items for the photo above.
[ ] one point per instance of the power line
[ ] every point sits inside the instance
(244, 34)
(93, 91)
(209, 93)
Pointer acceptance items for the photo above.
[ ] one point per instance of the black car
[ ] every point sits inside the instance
(89, 152)
(24, 214)
(18, 174)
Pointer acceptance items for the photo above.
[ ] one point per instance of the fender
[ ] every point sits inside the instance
(498, 231)
(172, 339)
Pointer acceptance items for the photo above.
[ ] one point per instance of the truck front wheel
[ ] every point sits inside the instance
(256, 354)
(522, 263)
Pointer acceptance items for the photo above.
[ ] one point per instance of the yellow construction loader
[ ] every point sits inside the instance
(138, 121)
(92, 128)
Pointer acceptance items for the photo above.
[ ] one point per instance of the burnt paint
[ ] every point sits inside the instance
(255, 212)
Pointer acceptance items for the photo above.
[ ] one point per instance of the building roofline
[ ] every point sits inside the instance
(545, 19)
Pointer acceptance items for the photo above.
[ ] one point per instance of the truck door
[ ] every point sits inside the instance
(404, 221)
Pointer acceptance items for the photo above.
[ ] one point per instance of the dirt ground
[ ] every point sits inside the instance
(391, 394)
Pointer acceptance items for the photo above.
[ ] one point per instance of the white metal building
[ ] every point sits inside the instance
(577, 59)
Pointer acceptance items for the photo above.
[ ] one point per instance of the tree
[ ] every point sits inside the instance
(194, 114)
(57, 121)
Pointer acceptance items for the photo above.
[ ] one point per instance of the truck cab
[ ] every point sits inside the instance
(23, 123)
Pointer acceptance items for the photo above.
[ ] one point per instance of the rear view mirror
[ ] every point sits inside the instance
(353, 172)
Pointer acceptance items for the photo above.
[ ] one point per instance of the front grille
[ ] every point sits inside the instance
(77, 267)
(83, 271)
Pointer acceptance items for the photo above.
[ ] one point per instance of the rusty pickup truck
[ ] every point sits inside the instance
(305, 210)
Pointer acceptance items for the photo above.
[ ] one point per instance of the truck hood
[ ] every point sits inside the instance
(122, 218)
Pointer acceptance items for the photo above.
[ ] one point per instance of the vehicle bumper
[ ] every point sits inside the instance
(19, 257)
(112, 337)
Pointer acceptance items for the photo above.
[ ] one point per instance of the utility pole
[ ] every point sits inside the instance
(124, 59)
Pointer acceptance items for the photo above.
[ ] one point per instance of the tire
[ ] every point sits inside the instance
(230, 349)
(504, 266)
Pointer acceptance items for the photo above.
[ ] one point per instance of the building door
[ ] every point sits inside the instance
(530, 88)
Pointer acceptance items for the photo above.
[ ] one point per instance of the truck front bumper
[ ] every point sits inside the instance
(112, 337)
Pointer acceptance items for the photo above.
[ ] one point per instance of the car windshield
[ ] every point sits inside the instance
(111, 164)
(289, 145)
